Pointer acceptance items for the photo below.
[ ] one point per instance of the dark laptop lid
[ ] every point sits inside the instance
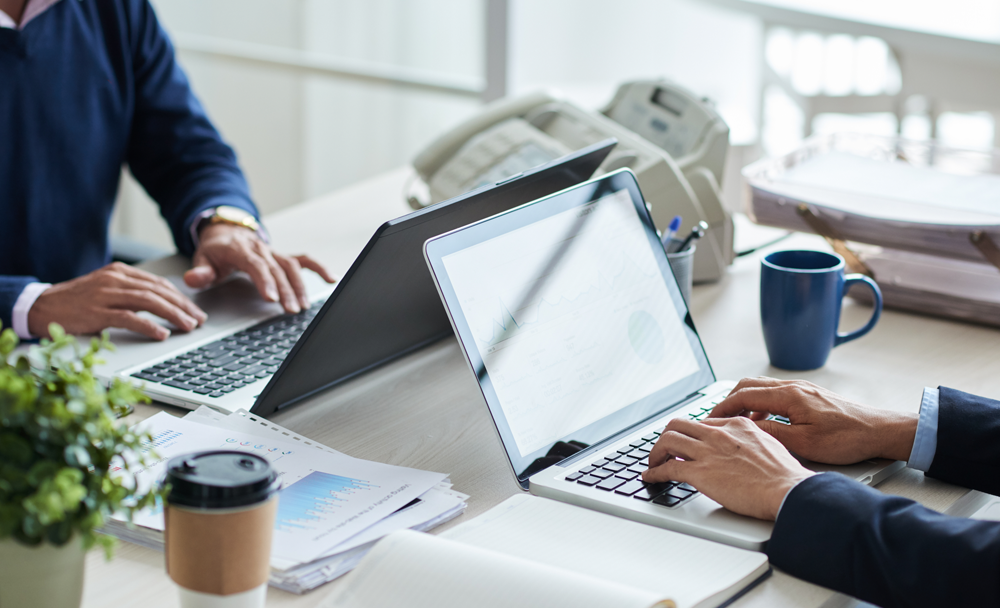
(570, 317)
(386, 304)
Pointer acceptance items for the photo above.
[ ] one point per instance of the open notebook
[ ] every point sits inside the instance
(534, 552)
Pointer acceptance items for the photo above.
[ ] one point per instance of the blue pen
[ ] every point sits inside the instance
(675, 225)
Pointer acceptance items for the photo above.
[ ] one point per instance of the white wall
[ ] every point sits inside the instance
(298, 136)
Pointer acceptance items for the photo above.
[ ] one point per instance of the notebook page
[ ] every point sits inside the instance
(687, 569)
(422, 571)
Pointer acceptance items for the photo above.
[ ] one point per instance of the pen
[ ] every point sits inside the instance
(696, 233)
(671, 231)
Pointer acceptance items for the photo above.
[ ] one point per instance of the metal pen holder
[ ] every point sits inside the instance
(682, 263)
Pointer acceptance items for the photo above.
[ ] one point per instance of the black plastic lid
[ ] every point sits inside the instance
(220, 480)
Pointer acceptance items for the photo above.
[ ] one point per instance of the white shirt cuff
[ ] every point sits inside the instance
(22, 305)
(925, 441)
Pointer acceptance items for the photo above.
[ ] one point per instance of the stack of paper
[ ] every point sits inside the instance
(331, 509)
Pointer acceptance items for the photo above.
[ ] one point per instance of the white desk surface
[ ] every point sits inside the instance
(426, 411)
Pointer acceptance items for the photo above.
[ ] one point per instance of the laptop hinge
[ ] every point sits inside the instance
(612, 439)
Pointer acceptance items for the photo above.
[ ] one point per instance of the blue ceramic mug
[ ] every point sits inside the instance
(800, 296)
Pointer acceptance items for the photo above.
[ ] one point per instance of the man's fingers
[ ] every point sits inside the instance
(307, 262)
(289, 300)
(676, 427)
(126, 319)
(777, 430)
(171, 295)
(202, 272)
(293, 272)
(149, 301)
(671, 470)
(250, 262)
(752, 399)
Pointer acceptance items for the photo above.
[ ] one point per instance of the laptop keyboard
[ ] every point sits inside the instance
(621, 472)
(219, 368)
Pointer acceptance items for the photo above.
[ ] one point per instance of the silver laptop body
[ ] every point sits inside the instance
(575, 328)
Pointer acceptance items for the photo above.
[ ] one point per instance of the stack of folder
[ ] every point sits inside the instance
(921, 219)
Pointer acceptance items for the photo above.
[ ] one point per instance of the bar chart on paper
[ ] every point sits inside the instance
(309, 502)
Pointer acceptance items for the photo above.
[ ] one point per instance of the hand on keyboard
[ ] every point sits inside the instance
(824, 427)
(731, 461)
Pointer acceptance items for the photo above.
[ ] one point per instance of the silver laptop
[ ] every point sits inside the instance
(574, 326)
(250, 355)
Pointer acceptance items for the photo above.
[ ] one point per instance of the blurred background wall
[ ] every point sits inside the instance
(281, 79)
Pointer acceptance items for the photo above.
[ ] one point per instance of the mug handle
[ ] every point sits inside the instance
(849, 280)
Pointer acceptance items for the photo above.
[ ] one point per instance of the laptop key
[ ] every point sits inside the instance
(651, 437)
(627, 475)
(630, 488)
(614, 467)
(216, 394)
(149, 377)
(226, 360)
(599, 464)
(601, 473)
(574, 476)
(610, 483)
(666, 500)
(586, 470)
(589, 480)
(181, 385)
(688, 487)
(203, 390)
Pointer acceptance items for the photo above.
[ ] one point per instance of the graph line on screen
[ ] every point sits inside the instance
(306, 503)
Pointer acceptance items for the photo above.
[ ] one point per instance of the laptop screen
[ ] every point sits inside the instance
(570, 317)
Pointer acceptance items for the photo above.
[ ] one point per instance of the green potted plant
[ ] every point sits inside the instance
(59, 437)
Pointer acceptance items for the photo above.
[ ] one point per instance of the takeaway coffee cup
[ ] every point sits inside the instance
(800, 296)
(219, 517)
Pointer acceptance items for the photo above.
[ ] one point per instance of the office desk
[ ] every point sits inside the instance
(426, 411)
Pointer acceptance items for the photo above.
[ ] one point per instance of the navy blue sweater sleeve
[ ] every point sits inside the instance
(883, 549)
(10, 288)
(968, 441)
(174, 151)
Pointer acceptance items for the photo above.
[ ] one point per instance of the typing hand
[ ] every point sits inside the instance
(825, 427)
(729, 460)
(225, 248)
(111, 297)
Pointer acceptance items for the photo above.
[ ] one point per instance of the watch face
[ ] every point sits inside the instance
(233, 214)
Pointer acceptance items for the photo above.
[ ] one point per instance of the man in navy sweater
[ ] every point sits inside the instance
(85, 87)
(829, 529)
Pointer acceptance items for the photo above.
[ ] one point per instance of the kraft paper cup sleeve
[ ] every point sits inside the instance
(219, 552)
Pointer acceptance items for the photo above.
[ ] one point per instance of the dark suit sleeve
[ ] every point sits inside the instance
(174, 151)
(883, 549)
(10, 289)
(968, 441)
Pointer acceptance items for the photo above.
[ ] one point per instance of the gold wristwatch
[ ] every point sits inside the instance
(234, 216)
